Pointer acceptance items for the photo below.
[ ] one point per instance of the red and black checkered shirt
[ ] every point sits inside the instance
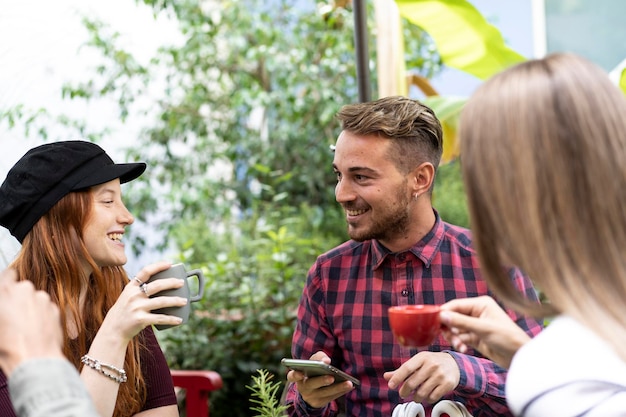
(343, 312)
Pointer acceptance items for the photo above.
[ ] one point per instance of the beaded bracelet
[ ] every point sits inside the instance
(103, 367)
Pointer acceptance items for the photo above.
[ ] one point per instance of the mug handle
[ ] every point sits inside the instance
(197, 273)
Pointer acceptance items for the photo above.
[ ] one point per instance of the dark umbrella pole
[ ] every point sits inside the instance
(360, 46)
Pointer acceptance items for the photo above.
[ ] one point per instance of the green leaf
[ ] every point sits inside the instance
(448, 110)
(464, 39)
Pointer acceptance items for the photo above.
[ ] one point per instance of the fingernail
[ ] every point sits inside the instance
(458, 346)
(444, 316)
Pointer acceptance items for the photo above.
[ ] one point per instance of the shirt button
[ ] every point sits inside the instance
(405, 292)
(402, 257)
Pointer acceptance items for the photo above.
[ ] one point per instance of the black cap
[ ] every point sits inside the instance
(47, 173)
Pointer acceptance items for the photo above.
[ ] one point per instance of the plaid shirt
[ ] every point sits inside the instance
(343, 312)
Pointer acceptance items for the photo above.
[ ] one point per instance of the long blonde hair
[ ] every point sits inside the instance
(50, 258)
(543, 152)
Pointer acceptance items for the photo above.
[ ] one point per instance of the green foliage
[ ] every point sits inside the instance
(253, 89)
(421, 56)
(266, 394)
(255, 270)
(449, 195)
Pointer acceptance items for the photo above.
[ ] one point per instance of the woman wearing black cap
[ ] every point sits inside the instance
(63, 202)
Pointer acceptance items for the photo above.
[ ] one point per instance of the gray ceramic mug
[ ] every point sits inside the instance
(178, 271)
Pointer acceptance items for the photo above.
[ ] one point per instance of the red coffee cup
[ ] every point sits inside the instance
(415, 325)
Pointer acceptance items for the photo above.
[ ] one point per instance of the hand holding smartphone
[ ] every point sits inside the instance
(317, 368)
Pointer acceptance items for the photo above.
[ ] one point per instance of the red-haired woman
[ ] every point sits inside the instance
(63, 202)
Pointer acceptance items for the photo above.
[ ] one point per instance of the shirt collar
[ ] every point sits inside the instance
(424, 250)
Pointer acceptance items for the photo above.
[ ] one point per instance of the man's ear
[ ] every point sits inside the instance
(423, 177)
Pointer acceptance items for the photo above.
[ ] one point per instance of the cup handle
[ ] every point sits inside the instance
(197, 273)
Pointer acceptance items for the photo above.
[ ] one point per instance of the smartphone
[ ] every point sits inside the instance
(316, 368)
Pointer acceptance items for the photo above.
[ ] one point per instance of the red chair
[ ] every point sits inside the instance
(197, 385)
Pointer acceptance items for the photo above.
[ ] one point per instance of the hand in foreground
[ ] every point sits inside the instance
(29, 323)
(132, 311)
(427, 376)
(318, 391)
(482, 324)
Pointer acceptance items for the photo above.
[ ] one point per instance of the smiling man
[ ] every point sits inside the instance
(400, 253)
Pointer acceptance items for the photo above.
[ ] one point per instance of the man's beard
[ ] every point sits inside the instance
(390, 225)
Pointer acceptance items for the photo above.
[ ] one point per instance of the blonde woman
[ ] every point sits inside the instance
(543, 148)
